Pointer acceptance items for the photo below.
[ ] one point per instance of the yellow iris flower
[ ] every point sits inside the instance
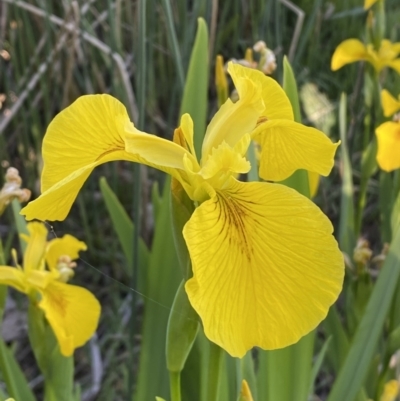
(266, 267)
(352, 50)
(72, 312)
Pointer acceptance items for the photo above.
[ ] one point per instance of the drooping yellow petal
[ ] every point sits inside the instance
(233, 120)
(89, 130)
(73, 313)
(369, 3)
(13, 277)
(95, 129)
(276, 103)
(37, 240)
(348, 51)
(388, 135)
(390, 104)
(266, 267)
(287, 146)
(65, 246)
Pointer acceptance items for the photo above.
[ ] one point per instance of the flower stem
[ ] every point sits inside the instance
(214, 371)
(175, 385)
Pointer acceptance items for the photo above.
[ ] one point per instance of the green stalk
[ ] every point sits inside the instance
(141, 95)
(175, 384)
(214, 371)
(3, 288)
(346, 236)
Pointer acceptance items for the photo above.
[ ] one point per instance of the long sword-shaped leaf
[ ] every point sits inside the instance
(196, 87)
(123, 226)
(346, 223)
(17, 385)
(162, 281)
(363, 347)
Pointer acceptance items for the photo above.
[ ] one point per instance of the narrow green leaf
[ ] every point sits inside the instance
(285, 374)
(20, 222)
(123, 226)
(183, 325)
(318, 363)
(194, 99)
(248, 373)
(385, 205)
(363, 347)
(16, 383)
(174, 41)
(162, 281)
(290, 87)
(346, 235)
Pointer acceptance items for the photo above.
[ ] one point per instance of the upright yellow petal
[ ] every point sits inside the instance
(276, 103)
(348, 51)
(65, 246)
(390, 104)
(388, 135)
(266, 267)
(73, 313)
(287, 146)
(13, 277)
(37, 240)
(233, 120)
(95, 129)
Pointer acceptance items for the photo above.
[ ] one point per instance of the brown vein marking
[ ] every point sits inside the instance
(109, 151)
(235, 216)
(58, 302)
(261, 120)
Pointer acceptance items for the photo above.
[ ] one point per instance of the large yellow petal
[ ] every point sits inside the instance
(276, 104)
(13, 277)
(266, 267)
(233, 120)
(287, 146)
(37, 240)
(388, 135)
(65, 246)
(389, 103)
(73, 313)
(89, 130)
(95, 129)
(348, 51)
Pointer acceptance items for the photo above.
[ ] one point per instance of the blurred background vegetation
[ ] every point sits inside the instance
(51, 52)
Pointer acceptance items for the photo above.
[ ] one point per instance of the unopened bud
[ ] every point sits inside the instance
(12, 189)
